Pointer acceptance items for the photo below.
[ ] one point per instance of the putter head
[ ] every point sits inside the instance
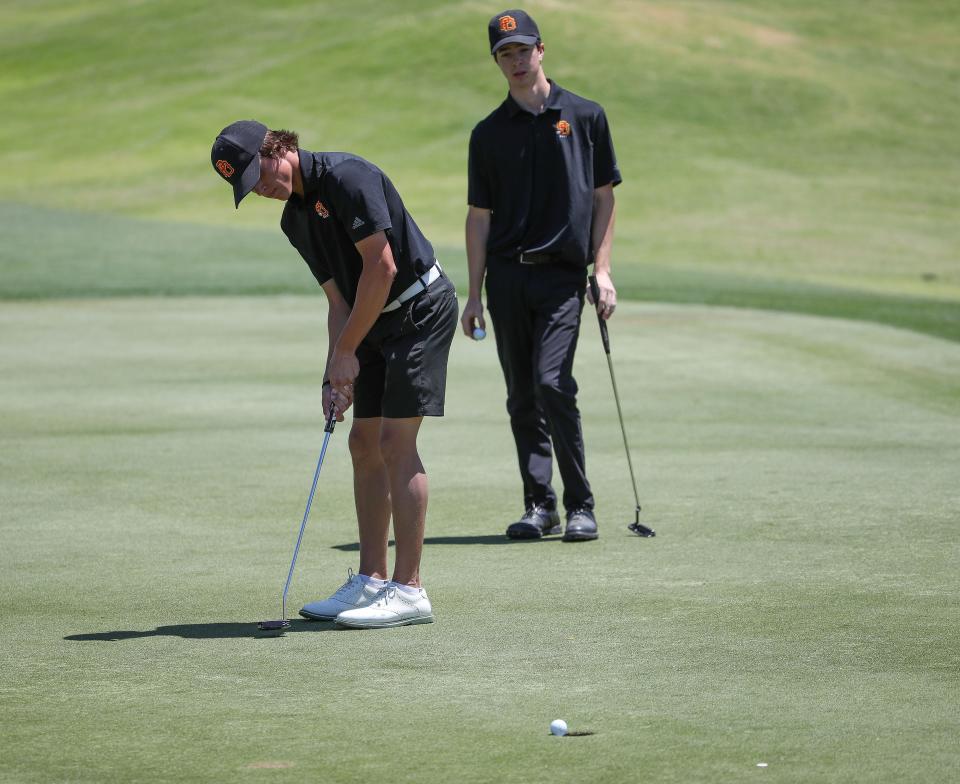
(639, 528)
(274, 628)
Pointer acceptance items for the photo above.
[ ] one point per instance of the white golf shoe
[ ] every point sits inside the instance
(355, 592)
(391, 607)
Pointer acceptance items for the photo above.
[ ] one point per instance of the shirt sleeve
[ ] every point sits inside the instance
(605, 169)
(359, 201)
(478, 183)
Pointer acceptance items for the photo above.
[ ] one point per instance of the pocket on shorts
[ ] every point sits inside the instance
(431, 306)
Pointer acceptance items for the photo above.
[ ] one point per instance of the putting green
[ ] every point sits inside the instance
(798, 606)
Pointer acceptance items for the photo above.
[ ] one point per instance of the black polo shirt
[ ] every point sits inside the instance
(346, 199)
(537, 174)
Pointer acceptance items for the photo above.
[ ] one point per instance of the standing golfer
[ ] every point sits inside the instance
(541, 176)
(391, 318)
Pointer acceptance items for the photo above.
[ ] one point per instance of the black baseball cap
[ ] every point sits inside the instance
(512, 27)
(236, 156)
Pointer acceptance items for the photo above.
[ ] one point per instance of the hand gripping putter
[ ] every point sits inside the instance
(636, 526)
(278, 627)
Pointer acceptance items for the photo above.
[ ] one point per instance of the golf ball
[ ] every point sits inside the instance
(558, 727)
(478, 334)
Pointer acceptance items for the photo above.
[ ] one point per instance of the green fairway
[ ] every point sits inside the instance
(798, 606)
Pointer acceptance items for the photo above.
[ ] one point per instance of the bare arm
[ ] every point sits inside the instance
(379, 270)
(477, 231)
(602, 240)
(338, 311)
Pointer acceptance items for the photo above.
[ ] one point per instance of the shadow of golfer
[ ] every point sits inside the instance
(431, 540)
(201, 631)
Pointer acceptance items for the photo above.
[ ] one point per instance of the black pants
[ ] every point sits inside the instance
(536, 312)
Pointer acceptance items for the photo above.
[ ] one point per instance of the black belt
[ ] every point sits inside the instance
(538, 258)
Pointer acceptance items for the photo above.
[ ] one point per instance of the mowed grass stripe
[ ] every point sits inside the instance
(57, 254)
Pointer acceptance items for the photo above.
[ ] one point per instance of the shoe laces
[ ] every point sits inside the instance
(348, 585)
(384, 595)
(538, 511)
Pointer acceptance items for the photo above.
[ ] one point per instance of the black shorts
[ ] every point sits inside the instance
(403, 359)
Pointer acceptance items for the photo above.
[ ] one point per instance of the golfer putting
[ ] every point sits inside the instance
(391, 318)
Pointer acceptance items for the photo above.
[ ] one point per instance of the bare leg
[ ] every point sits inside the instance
(408, 492)
(371, 492)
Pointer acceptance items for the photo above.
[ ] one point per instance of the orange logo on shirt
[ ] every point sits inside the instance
(225, 169)
(507, 24)
(563, 128)
(322, 211)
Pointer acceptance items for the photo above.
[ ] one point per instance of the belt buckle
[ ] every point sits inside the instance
(523, 254)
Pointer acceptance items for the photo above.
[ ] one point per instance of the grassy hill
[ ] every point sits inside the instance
(794, 156)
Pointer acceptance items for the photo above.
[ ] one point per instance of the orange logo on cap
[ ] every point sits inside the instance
(225, 169)
(322, 211)
(507, 24)
(563, 128)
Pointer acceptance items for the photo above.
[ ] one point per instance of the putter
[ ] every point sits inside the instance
(278, 627)
(636, 526)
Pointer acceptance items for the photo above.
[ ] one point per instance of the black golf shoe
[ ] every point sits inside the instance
(581, 526)
(537, 521)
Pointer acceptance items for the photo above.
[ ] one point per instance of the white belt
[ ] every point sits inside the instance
(420, 284)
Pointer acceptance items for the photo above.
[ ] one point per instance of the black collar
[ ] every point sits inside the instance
(311, 170)
(556, 100)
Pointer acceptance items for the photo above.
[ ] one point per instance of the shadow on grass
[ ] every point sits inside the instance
(479, 539)
(202, 631)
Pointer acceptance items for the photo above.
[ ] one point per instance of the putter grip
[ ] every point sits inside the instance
(331, 420)
(595, 293)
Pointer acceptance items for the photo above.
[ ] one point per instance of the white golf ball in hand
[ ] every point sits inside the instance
(558, 727)
(478, 333)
